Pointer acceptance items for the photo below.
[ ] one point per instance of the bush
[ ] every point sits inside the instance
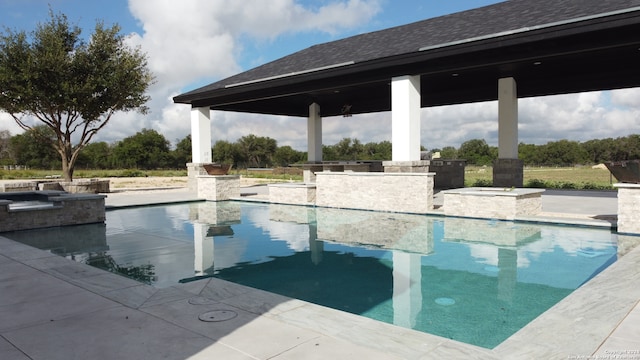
(132, 173)
(482, 183)
(536, 183)
(566, 185)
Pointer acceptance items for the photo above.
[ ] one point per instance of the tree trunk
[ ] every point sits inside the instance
(67, 170)
(67, 155)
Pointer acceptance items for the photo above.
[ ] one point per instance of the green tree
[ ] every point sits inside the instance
(530, 154)
(182, 153)
(376, 151)
(348, 149)
(628, 147)
(477, 152)
(563, 153)
(449, 152)
(329, 153)
(286, 155)
(599, 150)
(257, 151)
(226, 153)
(73, 87)
(95, 156)
(33, 148)
(147, 149)
(7, 156)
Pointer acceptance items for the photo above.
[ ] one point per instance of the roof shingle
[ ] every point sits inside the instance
(493, 19)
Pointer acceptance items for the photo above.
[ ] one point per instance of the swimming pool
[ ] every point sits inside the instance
(476, 281)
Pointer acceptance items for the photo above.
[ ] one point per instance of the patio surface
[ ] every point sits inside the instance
(54, 308)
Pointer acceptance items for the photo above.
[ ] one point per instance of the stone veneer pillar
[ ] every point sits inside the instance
(628, 206)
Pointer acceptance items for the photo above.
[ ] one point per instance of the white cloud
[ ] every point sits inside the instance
(194, 42)
(7, 123)
(626, 97)
(201, 41)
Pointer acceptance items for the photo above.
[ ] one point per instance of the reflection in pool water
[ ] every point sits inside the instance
(476, 281)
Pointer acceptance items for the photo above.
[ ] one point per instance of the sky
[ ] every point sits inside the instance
(191, 43)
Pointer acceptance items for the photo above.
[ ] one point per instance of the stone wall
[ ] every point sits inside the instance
(62, 210)
(418, 166)
(194, 170)
(492, 203)
(81, 186)
(19, 186)
(396, 192)
(628, 207)
(295, 194)
(85, 186)
(218, 187)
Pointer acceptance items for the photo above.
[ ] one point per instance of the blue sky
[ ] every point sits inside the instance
(194, 42)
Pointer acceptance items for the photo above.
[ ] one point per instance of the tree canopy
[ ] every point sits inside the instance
(149, 149)
(69, 85)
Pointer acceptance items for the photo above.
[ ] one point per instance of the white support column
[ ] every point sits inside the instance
(407, 288)
(203, 249)
(507, 119)
(405, 118)
(201, 135)
(314, 134)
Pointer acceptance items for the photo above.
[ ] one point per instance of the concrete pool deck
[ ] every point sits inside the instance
(54, 308)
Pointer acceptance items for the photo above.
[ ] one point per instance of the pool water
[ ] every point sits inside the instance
(475, 281)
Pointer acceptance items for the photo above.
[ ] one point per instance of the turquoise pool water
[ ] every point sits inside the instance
(476, 281)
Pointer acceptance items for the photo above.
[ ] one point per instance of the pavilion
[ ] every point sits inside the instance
(505, 51)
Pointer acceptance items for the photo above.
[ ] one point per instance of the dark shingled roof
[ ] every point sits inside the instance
(576, 45)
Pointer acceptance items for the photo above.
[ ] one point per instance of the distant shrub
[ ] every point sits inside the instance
(566, 185)
(132, 173)
(592, 186)
(482, 183)
(536, 183)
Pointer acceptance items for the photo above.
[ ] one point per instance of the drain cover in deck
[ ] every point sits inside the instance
(217, 315)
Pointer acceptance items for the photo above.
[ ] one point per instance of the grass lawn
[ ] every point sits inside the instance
(583, 177)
